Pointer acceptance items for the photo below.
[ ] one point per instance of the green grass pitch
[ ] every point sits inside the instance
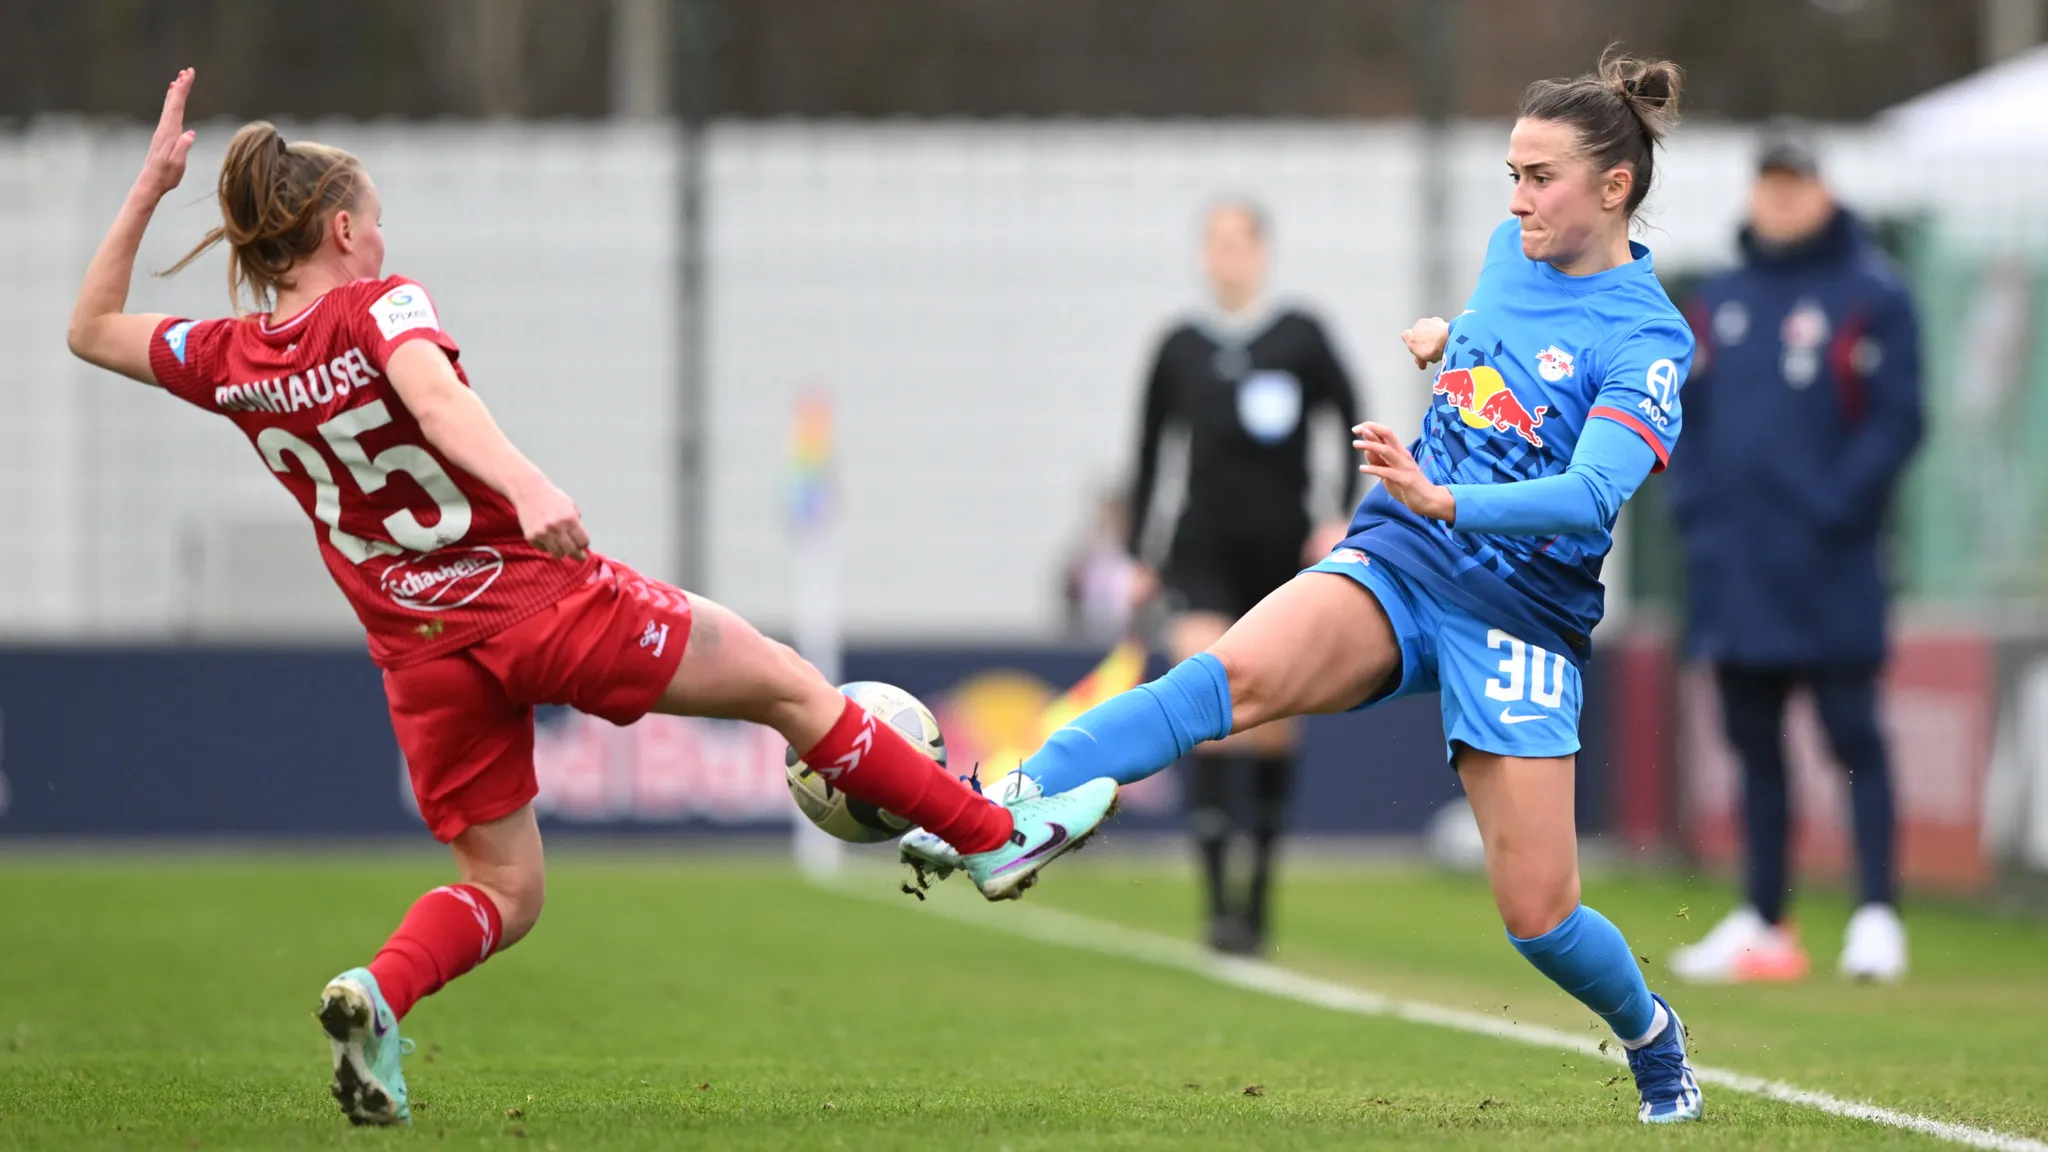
(679, 1002)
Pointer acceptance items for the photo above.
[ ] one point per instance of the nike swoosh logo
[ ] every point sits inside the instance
(377, 1024)
(1058, 837)
(1507, 718)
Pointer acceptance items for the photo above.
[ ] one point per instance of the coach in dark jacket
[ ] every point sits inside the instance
(1802, 409)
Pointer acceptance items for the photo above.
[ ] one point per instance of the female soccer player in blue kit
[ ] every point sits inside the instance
(1473, 570)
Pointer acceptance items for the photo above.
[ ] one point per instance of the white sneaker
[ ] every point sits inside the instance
(1742, 948)
(1874, 948)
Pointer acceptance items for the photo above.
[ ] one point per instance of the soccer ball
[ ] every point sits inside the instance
(858, 821)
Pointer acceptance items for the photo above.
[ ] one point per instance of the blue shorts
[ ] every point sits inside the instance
(1500, 693)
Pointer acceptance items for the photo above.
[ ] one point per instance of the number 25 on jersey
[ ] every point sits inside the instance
(371, 474)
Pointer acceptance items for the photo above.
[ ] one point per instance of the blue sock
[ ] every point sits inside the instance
(1134, 734)
(1587, 957)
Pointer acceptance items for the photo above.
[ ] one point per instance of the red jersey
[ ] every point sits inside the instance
(431, 558)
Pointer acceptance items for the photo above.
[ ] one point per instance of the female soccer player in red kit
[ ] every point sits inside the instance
(470, 571)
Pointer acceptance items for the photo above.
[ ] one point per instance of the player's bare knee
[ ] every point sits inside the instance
(516, 928)
(519, 894)
(792, 691)
(1251, 695)
(1534, 912)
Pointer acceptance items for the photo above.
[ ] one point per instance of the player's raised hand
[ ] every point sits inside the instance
(1387, 458)
(1426, 340)
(172, 142)
(551, 522)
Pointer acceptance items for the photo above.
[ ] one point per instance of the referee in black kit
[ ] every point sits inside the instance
(1242, 381)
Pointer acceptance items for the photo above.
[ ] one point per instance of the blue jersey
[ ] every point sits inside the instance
(1535, 356)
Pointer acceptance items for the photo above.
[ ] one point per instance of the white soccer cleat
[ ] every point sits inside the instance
(1874, 948)
(931, 858)
(1743, 948)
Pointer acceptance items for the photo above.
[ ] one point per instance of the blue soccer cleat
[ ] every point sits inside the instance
(1669, 1090)
(1047, 828)
(368, 1082)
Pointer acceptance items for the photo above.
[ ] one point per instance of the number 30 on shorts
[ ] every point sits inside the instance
(1524, 672)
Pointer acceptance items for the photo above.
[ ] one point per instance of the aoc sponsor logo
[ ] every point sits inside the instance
(442, 580)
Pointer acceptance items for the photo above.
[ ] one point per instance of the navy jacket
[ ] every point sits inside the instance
(1801, 410)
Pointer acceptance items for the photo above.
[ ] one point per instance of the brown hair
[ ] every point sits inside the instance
(275, 200)
(1253, 212)
(1622, 111)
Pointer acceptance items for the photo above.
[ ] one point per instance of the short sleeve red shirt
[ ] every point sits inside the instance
(431, 558)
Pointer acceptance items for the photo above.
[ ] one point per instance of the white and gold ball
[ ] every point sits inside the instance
(853, 820)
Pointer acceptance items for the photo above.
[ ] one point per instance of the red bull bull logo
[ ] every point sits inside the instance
(1554, 364)
(1483, 400)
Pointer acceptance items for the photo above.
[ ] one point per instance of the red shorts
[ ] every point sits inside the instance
(465, 720)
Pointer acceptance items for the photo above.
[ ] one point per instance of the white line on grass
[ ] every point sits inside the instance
(1052, 926)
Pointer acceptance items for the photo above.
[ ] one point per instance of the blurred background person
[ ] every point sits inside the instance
(1243, 382)
(1100, 574)
(1804, 405)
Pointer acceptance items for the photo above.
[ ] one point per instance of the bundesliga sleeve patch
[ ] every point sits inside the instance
(174, 338)
(403, 309)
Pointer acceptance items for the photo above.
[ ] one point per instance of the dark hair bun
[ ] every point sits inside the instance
(1649, 87)
(1621, 111)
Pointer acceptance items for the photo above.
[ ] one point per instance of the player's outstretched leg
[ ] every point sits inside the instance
(730, 670)
(1319, 643)
(447, 932)
(1125, 738)
(1524, 809)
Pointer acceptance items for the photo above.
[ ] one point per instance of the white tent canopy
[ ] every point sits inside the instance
(2001, 109)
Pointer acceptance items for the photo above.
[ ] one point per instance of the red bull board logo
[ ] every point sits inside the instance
(1483, 400)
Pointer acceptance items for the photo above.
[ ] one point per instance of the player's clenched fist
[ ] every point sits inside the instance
(1426, 340)
(551, 523)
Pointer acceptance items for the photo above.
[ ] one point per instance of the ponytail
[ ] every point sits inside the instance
(275, 201)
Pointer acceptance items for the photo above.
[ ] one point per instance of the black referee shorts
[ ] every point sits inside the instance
(1228, 572)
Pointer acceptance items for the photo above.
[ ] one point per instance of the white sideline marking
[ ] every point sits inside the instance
(1052, 926)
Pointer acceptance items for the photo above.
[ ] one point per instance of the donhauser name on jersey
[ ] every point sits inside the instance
(320, 384)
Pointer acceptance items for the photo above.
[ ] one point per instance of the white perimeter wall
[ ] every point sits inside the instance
(979, 299)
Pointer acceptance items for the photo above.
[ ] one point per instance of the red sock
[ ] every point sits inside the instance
(873, 762)
(448, 931)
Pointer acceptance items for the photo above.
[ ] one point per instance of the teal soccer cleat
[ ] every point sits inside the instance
(368, 1082)
(931, 858)
(1047, 828)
